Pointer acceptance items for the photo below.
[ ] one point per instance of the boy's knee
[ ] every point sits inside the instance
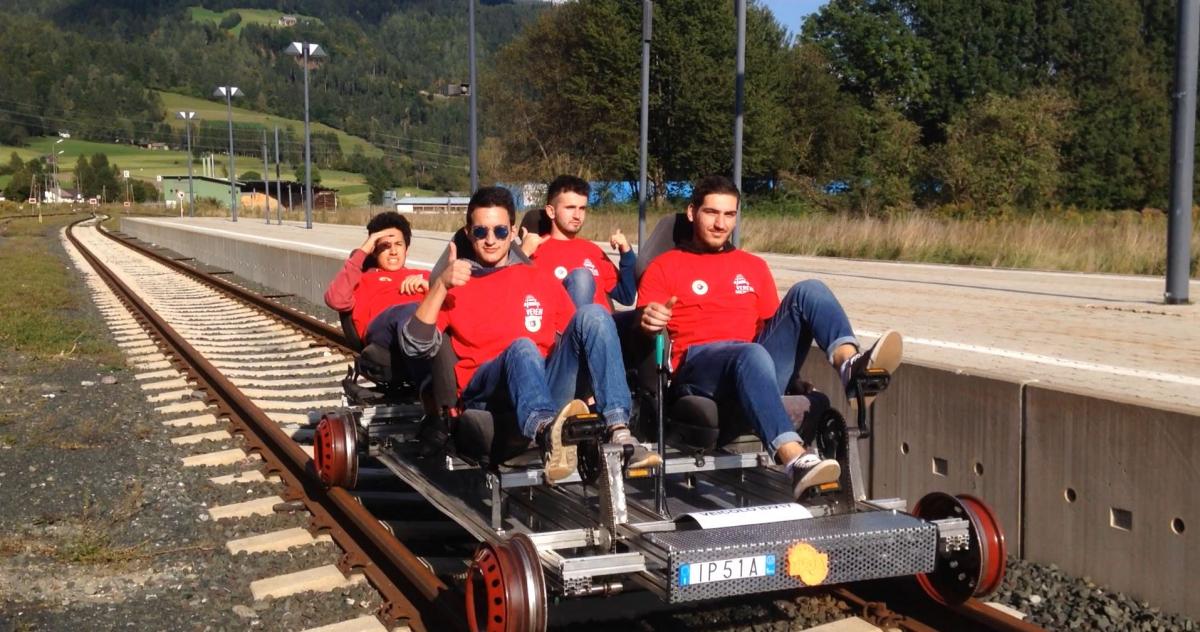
(809, 287)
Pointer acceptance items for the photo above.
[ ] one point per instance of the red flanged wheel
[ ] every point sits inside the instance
(335, 451)
(506, 590)
(975, 571)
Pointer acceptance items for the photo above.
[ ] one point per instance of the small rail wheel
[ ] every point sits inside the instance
(978, 569)
(335, 451)
(505, 589)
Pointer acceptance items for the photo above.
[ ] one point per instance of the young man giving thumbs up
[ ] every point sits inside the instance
(520, 341)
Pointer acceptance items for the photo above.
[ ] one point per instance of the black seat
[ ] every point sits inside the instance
(696, 423)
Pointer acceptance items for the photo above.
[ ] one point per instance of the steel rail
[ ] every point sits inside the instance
(410, 590)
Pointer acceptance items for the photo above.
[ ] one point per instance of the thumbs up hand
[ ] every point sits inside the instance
(457, 271)
(655, 316)
(618, 241)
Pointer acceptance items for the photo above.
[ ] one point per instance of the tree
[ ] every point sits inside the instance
(85, 179)
(250, 175)
(231, 19)
(889, 160)
(1003, 152)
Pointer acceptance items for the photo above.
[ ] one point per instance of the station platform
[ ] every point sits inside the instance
(1064, 399)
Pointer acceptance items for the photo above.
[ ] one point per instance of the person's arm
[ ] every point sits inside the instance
(421, 337)
(339, 296)
(625, 292)
(655, 300)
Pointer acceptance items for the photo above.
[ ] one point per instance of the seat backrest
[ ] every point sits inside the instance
(350, 332)
(462, 247)
(668, 233)
(535, 221)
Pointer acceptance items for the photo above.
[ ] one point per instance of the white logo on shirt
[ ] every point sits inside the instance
(533, 314)
(385, 279)
(587, 263)
(699, 287)
(741, 285)
(560, 272)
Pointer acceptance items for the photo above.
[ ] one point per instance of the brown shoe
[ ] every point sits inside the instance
(642, 456)
(559, 460)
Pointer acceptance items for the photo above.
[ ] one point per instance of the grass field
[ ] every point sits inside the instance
(40, 305)
(215, 110)
(145, 164)
(249, 16)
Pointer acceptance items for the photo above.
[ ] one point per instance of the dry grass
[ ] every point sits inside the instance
(1119, 242)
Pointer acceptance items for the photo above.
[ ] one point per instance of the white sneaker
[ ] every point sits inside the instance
(811, 470)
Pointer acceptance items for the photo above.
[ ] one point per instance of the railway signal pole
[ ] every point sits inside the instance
(308, 55)
(187, 117)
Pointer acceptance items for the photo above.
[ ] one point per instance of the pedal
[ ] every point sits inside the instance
(582, 428)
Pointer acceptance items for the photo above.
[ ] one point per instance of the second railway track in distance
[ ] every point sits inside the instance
(261, 367)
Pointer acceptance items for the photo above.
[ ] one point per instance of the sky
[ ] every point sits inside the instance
(791, 13)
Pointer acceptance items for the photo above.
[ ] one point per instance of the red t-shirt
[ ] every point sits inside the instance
(366, 294)
(720, 296)
(483, 317)
(560, 256)
(378, 290)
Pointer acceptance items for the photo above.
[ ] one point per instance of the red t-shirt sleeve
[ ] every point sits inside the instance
(339, 296)
(768, 295)
(653, 287)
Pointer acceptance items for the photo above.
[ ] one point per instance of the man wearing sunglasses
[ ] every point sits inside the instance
(581, 265)
(733, 339)
(520, 341)
(374, 285)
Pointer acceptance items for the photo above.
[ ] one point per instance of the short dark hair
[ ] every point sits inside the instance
(709, 185)
(391, 219)
(573, 184)
(488, 197)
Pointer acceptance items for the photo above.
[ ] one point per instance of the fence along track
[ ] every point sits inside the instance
(409, 589)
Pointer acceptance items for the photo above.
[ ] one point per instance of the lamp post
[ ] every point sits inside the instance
(739, 107)
(647, 31)
(307, 54)
(229, 92)
(57, 186)
(474, 123)
(188, 117)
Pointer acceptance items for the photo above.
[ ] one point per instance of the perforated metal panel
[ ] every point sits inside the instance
(859, 546)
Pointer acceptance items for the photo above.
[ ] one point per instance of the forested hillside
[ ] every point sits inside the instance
(93, 68)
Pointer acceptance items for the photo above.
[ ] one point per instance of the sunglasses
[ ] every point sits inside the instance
(481, 232)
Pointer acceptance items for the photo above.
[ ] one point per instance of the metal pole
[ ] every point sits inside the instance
(739, 106)
(474, 123)
(643, 141)
(191, 190)
(278, 184)
(266, 182)
(307, 150)
(1183, 133)
(232, 163)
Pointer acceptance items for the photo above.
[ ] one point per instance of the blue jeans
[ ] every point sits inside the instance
(384, 330)
(586, 359)
(757, 373)
(581, 286)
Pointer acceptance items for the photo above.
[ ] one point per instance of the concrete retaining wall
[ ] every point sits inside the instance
(1132, 470)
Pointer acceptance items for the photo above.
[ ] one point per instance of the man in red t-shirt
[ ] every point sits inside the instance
(733, 338)
(520, 341)
(581, 265)
(374, 285)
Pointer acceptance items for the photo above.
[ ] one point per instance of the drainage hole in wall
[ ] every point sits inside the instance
(1069, 494)
(904, 447)
(1120, 519)
(1177, 526)
(978, 468)
(940, 466)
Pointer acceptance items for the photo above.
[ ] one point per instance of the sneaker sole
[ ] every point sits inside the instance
(827, 471)
(562, 459)
(886, 354)
(652, 460)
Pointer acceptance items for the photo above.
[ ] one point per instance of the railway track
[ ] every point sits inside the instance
(259, 367)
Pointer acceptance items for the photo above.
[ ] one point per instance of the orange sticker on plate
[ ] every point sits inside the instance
(807, 563)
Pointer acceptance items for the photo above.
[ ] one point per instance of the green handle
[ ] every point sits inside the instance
(660, 347)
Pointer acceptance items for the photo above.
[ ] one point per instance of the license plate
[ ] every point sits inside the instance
(724, 570)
